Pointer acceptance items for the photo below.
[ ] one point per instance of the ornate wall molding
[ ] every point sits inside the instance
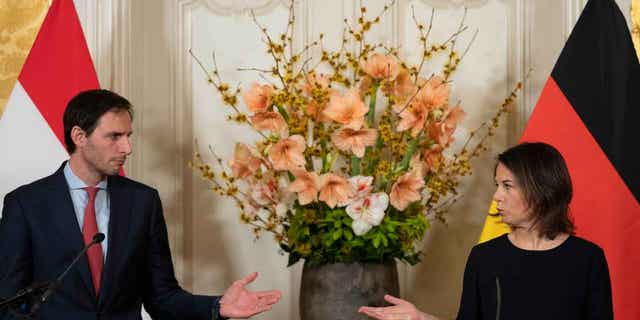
(442, 4)
(234, 7)
(180, 82)
(519, 63)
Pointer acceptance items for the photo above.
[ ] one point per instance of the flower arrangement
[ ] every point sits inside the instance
(352, 163)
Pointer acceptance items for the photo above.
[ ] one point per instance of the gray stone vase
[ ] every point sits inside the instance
(336, 291)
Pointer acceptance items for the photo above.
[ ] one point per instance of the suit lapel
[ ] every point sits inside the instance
(119, 218)
(64, 219)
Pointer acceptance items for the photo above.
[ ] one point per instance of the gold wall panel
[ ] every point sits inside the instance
(20, 21)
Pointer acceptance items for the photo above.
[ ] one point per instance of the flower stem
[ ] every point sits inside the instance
(371, 116)
(283, 113)
(323, 154)
(355, 166)
(413, 145)
(327, 162)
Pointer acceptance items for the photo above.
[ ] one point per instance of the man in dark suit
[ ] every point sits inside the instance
(46, 223)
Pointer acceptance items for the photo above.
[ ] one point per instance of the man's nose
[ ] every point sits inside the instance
(125, 145)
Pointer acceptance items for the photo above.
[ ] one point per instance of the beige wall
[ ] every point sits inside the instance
(140, 50)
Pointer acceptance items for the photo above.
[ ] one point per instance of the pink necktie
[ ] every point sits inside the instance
(89, 229)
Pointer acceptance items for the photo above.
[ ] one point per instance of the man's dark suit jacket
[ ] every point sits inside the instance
(40, 236)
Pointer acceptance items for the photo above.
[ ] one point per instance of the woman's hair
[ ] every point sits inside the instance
(543, 175)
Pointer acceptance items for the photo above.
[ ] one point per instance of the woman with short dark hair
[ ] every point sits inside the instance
(540, 270)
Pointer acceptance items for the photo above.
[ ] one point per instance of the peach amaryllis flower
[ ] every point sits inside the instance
(270, 191)
(453, 117)
(286, 154)
(412, 118)
(355, 140)
(305, 185)
(432, 157)
(443, 138)
(335, 190)
(433, 93)
(258, 97)
(264, 193)
(379, 66)
(367, 212)
(402, 88)
(364, 87)
(361, 186)
(314, 109)
(348, 110)
(271, 121)
(442, 131)
(244, 163)
(406, 190)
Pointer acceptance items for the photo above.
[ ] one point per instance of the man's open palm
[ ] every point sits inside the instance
(238, 302)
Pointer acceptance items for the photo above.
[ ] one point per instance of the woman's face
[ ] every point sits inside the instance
(509, 196)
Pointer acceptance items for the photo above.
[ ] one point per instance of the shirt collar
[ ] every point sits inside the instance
(76, 183)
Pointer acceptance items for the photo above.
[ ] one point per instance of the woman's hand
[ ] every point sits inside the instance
(401, 310)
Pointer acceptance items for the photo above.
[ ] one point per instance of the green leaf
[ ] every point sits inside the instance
(348, 235)
(376, 242)
(357, 242)
(385, 242)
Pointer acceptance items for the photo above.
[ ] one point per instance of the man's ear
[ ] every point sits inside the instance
(78, 136)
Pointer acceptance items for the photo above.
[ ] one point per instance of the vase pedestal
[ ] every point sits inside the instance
(336, 291)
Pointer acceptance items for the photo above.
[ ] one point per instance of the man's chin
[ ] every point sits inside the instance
(113, 171)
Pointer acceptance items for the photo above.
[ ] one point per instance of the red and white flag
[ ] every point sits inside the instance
(58, 67)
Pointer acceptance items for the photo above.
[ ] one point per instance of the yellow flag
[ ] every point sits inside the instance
(493, 225)
(635, 24)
